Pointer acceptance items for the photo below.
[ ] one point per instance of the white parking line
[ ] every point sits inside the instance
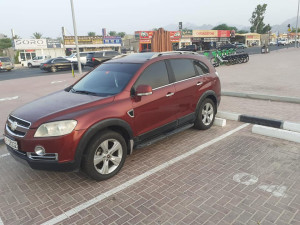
(58, 81)
(1, 222)
(9, 98)
(4, 155)
(121, 187)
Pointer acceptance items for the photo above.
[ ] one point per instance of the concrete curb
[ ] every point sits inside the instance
(262, 97)
(220, 122)
(285, 125)
(276, 133)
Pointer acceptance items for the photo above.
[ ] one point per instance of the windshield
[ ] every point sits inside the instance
(71, 56)
(107, 79)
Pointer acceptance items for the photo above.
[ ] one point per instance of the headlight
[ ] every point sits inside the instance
(57, 128)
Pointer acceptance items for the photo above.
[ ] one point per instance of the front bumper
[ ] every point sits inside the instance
(43, 164)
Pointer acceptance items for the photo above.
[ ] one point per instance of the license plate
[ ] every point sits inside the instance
(11, 143)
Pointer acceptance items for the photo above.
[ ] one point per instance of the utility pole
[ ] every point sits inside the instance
(76, 39)
(296, 37)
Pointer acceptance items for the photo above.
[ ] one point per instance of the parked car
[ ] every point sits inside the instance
(240, 46)
(6, 64)
(272, 43)
(36, 61)
(94, 59)
(56, 64)
(282, 42)
(73, 57)
(192, 48)
(227, 46)
(123, 104)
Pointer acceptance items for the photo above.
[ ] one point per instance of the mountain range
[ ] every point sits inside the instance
(281, 28)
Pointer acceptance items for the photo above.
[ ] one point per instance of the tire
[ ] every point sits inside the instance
(97, 161)
(205, 115)
(53, 69)
(29, 65)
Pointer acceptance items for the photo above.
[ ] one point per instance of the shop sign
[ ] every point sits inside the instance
(83, 40)
(210, 39)
(145, 41)
(205, 33)
(253, 37)
(196, 39)
(223, 33)
(175, 34)
(30, 43)
(185, 40)
(53, 43)
(187, 33)
(112, 40)
(143, 34)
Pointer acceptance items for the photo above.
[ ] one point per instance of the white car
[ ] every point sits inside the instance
(73, 57)
(36, 61)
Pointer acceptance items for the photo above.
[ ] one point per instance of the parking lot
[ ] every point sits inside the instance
(224, 175)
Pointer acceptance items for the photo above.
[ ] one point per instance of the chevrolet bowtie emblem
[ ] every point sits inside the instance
(13, 126)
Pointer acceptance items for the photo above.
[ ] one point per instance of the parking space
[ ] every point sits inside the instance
(241, 179)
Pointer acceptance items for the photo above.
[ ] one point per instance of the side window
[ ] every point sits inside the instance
(182, 68)
(98, 54)
(201, 67)
(155, 75)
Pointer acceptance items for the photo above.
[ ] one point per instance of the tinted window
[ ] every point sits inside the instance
(89, 55)
(82, 54)
(111, 53)
(5, 59)
(201, 67)
(61, 60)
(155, 75)
(107, 79)
(98, 54)
(182, 68)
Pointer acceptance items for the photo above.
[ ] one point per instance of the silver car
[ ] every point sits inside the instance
(6, 64)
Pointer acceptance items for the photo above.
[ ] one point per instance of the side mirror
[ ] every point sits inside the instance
(143, 90)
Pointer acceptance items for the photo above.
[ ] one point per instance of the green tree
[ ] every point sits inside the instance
(91, 34)
(37, 35)
(121, 34)
(242, 31)
(257, 20)
(224, 26)
(16, 37)
(294, 30)
(112, 33)
(4, 44)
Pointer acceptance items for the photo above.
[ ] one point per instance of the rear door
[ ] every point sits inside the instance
(154, 113)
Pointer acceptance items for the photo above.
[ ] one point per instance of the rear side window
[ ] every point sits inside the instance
(182, 68)
(5, 59)
(155, 75)
(201, 67)
(111, 53)
(98, 54)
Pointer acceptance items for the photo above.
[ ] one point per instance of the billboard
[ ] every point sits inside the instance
(143, 34)
(112, 40)
(53, 43)
(205, 33)
(30, 43)
(187, 33)
(83, 40)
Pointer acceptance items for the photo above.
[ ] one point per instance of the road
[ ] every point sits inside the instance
(32, 72)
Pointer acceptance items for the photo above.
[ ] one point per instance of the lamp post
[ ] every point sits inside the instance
(296, 44)
(76, 39)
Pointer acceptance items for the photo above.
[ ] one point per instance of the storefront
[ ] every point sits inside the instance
(144, 38)
(249, 39)
(186, 38)
(30, 48)
(207, 39)
(96, 43)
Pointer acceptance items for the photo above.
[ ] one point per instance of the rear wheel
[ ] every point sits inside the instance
(29, 65)
(105, 155)
(53, 69)
(206, 115)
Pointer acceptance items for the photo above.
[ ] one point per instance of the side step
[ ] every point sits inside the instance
(163, 136)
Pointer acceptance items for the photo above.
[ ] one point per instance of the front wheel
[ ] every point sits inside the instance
(206, 115)
(105, 155)
(29, 65)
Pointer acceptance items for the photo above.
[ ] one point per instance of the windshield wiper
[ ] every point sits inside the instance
(83, 92)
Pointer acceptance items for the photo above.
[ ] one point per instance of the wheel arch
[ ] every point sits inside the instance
(117, 125)
(208, 94)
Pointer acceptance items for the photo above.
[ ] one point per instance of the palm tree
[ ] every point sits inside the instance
(91, 34)
(37, 35)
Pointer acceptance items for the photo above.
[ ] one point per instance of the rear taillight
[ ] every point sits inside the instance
(93, 59)
(44, 64)
(0, 63)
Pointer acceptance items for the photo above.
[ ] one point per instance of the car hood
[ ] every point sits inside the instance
(56, 106)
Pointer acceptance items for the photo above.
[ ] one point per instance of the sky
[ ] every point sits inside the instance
(47, 17)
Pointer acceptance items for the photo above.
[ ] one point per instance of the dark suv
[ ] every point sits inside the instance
(123, 104)
(93, 59)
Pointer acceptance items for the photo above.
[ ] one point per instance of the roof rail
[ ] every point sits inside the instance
(173, 53)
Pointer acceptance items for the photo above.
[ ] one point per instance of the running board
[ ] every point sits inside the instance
(163, 136)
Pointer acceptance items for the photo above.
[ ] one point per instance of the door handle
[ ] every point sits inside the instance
(199, 83)
(169, 94)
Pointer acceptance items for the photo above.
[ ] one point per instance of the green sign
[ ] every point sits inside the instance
(187, 33)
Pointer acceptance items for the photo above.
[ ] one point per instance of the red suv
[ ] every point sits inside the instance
(123, 104)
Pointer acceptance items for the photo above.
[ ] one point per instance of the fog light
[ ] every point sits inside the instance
(39, 150)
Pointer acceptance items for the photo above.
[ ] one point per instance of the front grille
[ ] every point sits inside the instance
(47, 156)
(16, 126)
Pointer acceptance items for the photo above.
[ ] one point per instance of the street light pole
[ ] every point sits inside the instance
(76, 39)
(296, 44)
